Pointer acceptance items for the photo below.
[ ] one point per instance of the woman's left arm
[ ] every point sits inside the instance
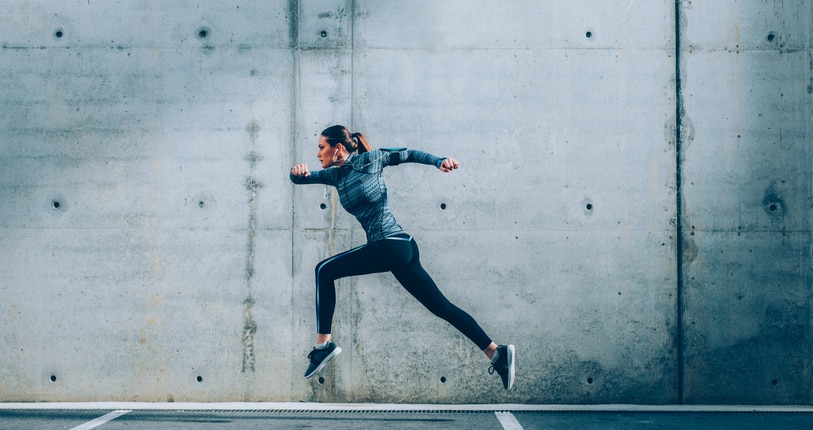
(403, 155)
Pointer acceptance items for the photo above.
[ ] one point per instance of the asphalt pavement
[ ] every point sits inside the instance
(186, 416)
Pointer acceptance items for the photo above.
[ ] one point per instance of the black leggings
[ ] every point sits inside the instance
(397, 254)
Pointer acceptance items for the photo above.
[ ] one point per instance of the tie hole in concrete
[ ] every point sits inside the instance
(204, 32)
(201, 201)
(56, 203)
(587, 206)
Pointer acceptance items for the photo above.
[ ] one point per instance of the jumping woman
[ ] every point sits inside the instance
(349, 164)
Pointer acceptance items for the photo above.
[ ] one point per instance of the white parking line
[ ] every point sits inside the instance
(101, 420)
(508, 421)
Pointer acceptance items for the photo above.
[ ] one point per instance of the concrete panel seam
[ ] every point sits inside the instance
(678, 206)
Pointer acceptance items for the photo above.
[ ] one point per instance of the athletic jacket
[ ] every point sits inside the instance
(361, 187)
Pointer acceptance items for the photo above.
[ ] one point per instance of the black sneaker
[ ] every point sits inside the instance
(504, 363)
(319, 358)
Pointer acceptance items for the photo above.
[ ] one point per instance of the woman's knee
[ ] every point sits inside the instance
(325, 270)
(444, 309)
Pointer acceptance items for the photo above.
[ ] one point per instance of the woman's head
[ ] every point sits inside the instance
(337, 143)
(340, 135)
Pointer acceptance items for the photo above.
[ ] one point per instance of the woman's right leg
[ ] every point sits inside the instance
(363, 260)
(370, 258)
(327, 272)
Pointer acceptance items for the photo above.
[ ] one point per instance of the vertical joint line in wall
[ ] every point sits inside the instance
(679, 205)
(293, 31)
(293, 34)
(293, 23)
(352, 29)
(352, 64)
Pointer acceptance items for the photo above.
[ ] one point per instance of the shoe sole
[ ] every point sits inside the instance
(324, 362)
(511, 365)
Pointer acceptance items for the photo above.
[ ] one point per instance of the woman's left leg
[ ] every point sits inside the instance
(415, 279)
(418, 283)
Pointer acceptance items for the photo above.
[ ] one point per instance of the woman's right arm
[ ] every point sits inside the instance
(301, 175)
(300, 169)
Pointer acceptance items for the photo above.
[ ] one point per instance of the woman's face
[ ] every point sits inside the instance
(326, 153)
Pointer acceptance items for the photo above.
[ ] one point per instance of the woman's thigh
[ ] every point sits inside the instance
(376, 257)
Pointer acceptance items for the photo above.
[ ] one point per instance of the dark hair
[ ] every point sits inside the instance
(352, 142)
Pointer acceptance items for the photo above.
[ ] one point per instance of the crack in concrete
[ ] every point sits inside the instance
(252, 185)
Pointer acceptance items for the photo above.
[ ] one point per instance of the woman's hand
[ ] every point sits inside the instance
(448, 165)
(301, 169)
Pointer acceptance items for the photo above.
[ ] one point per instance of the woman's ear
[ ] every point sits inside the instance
(340, 147)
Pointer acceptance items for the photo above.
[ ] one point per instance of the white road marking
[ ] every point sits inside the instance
(101, 420)
(508, 421)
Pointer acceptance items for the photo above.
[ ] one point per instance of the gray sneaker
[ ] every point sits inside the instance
(504, 363)
(320, 357)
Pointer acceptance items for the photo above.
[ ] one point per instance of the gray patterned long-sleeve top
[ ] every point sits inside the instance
(361, 187)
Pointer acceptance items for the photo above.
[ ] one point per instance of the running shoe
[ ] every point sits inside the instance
(504, 363)
(320, 357)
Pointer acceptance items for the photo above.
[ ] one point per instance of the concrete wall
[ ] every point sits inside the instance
(634, 217)
(747, 73)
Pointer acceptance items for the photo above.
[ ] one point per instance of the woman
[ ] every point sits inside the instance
(355, 170)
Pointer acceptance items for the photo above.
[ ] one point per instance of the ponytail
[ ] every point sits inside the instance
(361, 142)
(337, 134)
